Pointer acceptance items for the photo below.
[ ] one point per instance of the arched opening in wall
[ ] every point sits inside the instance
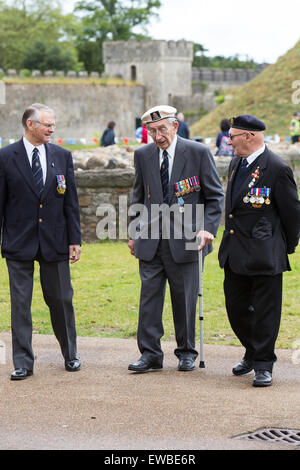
(133, 73)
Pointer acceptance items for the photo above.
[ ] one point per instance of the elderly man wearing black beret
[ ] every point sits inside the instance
(261, 228)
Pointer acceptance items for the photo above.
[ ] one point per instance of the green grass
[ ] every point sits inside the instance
(106, 298)
(64, 80)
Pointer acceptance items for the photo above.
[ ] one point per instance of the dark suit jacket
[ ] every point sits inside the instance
(50, 222)
(257, 240)
(183, 130)
(190, 159)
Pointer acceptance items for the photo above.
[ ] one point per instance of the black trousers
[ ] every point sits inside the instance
(253, 306)
(183, 279)
(58, 294)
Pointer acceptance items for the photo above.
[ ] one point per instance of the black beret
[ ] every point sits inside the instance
(247, 122)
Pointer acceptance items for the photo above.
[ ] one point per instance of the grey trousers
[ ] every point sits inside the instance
(183, 280)
(58, 294)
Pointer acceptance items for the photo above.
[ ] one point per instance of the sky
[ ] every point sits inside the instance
(263, 30)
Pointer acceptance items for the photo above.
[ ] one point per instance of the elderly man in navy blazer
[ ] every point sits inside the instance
(39, 215)
(262, 226)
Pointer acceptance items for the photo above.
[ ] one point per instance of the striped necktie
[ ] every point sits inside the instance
(164, 174)
(37, 171)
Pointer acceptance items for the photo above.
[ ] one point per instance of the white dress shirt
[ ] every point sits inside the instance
(255, 155)
(42, 154)
(171, 153)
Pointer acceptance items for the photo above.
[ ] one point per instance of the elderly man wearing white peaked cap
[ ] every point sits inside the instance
(178, 173)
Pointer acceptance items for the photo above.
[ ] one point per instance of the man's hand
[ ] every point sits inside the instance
(74, 253)
(206, 239)
(131, 246)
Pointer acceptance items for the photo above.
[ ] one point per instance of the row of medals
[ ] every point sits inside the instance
(257, 200)
(186, 187)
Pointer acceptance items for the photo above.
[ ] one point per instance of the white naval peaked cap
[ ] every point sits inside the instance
(158, 113)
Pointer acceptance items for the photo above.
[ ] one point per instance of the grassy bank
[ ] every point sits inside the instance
(106, 298)
(267, 96)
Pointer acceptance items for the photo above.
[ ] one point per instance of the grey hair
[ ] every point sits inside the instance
(33, 112)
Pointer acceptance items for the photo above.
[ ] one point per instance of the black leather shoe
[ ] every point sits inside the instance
(142, 365)
(263, 378)
(242, 368)
(73, 366)
(20, 374)
(186, 364)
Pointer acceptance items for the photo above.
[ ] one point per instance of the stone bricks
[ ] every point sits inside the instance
(107, 188)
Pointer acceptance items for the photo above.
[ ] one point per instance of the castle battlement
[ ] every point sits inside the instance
(223, 75)
(165, 70)
(163, 67)
(146, 51)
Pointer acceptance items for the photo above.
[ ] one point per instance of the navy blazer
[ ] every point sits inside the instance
(49, 222)
(257, 240)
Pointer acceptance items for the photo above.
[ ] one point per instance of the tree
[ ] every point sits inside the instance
(43, 57)
(114, 20)
(234, 62)
(26, 22)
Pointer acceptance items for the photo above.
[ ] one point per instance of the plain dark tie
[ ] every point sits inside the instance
(239, 179)
(244, 164)
(37, 171)
(164, 174)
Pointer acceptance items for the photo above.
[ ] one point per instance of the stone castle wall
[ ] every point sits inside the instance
(82, 111)
(160, 73)
(146, 51)
(163, 67)
(232, 76)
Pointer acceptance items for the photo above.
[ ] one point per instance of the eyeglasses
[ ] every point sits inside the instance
(46, 124)
(231, 137)
(162, 130)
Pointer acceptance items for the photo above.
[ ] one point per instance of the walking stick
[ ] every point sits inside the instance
(202, 363)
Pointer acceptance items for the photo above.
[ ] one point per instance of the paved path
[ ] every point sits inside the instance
(104, 406)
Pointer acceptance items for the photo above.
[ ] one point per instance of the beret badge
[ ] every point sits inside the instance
(155, 116)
